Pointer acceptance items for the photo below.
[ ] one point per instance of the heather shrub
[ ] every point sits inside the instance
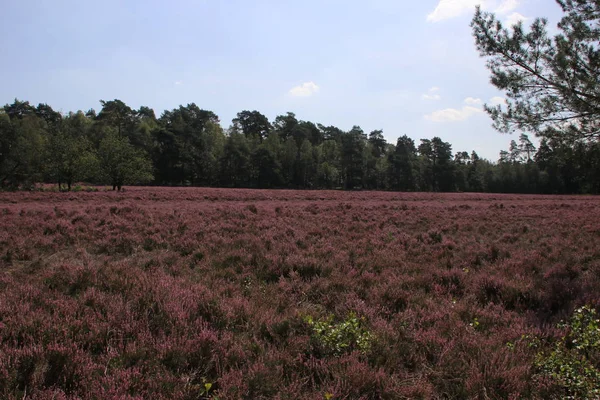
(353, 378)
(70, 280)
(452, 281)
(180, 293)
(392, 299)
(513, 295)
(560, 288)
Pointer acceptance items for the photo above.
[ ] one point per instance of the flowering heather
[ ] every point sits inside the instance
(205, 293)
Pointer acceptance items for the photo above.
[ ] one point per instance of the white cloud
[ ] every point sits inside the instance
(305, 90)
(507, 6)
(453, 114)
(514, 18)
(497, 100)
(432, 94)
(447, 9)
(452, 8)
(177, 83)
(473, 101)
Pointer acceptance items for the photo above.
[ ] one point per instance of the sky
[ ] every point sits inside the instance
(409, 68)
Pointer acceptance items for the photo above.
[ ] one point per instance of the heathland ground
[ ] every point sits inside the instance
(220, 293)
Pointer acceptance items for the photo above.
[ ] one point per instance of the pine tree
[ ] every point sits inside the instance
(551, 82)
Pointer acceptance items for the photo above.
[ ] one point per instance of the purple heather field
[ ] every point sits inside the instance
(181, 293)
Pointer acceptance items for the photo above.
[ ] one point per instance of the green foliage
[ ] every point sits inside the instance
(188, 146)
(70, 156)
(267, 170)
(121, 163)
(117, 114)
(572, 366)
(352, 159)
(341, 337)
(206, 388)
(403, 165)
(252, 124)
(551, 82)
(235, 162)
(22, 144)
(436, 165)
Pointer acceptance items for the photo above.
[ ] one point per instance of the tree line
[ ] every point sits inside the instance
(551, 88)
(187, 146)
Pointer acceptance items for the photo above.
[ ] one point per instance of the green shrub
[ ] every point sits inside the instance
(572, 366)
(342, 337)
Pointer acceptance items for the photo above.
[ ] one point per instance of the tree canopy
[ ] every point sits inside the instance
(551, 83)
(187, 146)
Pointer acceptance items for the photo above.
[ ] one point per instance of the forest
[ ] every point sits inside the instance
(188, 146)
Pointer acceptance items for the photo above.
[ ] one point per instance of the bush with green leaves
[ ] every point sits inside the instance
(572, 366)
(341, 337)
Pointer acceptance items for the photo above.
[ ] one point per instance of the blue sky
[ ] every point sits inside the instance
(404, 67)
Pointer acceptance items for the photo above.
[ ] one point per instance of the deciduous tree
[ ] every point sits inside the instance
(121, 163)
